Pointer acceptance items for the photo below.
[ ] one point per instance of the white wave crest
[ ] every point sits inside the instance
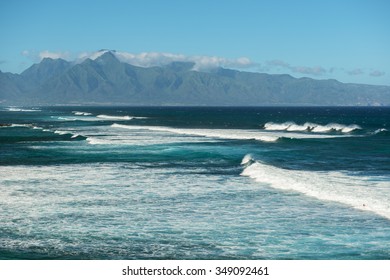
(311, 127)
(304, 127)
(247, 159)
(61, 132)
(336, 127)
(118, 118)
(97, 141)
(65, 119)
(78, 113)
(278, 126)
(21, 125)
(15, 109)
(380, 130)
(64, 132)
(330, 186)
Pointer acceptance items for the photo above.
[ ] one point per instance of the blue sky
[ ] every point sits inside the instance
(333, 39)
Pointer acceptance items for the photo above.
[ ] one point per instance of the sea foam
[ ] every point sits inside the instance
(359, 192)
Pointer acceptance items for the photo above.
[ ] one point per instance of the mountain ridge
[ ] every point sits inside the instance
(107, 80)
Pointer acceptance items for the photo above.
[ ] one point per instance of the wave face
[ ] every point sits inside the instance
(200, 183)
(359, 192)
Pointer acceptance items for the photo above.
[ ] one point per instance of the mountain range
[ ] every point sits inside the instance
(108, 81)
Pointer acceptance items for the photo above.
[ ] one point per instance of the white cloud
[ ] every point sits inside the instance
(149, 59)
(91, 55)
(53, 55)
(38, 56)
(201, 62)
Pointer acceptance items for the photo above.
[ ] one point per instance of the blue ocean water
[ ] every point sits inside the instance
(194, 183)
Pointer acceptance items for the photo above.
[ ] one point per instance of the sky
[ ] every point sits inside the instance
(347, 40)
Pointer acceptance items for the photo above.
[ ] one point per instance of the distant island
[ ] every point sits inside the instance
(108, 81)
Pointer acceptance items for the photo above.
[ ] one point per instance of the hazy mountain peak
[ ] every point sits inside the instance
(97, 54)
(46, 69)
(107, 56)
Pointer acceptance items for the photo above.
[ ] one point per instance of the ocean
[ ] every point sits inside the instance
(195, 183)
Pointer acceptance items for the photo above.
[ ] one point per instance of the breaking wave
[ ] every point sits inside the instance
(21, 125)
(16, 109)
(78, 113)
(234, 134)
(66, 119)
(311, 127)
(97, 141)
(359, 192)
(72, 135)
(247, 160)
(108, 117)
(380, 131)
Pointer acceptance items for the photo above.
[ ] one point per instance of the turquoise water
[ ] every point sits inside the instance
(194, 183)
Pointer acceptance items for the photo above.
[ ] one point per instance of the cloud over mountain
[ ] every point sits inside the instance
(53, 55)
(150, 59)
(38, 56)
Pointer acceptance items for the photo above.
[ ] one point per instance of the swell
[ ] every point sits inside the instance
(234, 134)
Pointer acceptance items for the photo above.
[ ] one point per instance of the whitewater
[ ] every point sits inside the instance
(194, 183)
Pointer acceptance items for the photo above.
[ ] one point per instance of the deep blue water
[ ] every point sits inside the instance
(194, 183)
